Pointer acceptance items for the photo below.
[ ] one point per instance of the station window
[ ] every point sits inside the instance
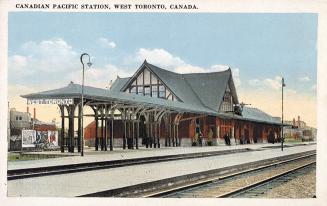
(133, 90)
(147, 90)
(147, 84)
(197, 125)
(146, 76)
(227, 97)
(154, 91)
(197, 130)
(140, 90)
(162, 91)
(140, 79)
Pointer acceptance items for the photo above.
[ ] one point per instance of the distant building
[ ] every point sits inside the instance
(297, 123)
(19, 121)
(298, 130)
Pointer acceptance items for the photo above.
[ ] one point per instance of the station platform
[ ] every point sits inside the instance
(90, 155)
(82, 183)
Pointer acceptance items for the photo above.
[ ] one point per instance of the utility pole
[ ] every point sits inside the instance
(283, 85)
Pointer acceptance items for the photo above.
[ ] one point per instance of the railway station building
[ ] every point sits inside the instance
(156, 108)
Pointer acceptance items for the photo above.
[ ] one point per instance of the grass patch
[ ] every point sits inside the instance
(293, 140)
(24, 157)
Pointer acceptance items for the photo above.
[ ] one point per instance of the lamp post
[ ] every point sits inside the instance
(283, 85)
(82, 101)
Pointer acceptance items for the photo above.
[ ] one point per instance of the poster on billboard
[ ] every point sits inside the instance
(53, 138)
(28, 138)
(41, 137)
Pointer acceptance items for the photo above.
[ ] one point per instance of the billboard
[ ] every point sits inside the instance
(41, 137)
(28, 138)
(53, 138)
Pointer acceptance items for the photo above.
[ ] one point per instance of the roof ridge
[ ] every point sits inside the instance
(162, 69)
(227, 70)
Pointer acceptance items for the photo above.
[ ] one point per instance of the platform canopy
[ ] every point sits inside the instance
(93, 95)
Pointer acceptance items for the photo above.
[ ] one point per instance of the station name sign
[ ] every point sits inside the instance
(50, 101)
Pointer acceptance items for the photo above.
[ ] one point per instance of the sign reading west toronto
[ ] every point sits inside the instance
(50, 101)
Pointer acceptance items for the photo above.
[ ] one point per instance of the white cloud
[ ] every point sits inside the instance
(55, 47)
(99, 77)
(159, 57)
(314, 87)
(304, 79)
(104, 42)
(268, 83)
(18, 61)
(218, 67)
(275, 83)
(45, 57)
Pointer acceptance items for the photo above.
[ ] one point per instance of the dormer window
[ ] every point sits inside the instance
(227, 104)
(227, 96)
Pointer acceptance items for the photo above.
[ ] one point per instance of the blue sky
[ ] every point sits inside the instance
(260, 48)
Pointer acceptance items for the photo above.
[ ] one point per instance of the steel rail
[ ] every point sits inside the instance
(220, 178)
(264, 181)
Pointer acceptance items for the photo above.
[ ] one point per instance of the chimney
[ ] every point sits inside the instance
(298, 121)
(34, 116)
(28, 110)
(294, 122)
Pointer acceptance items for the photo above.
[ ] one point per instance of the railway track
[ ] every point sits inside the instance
(82, 167)
(260, 189)
(239, 183)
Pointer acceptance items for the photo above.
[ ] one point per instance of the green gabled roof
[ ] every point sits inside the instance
(199, 88)
(177, 84)
(118, 84)
(209, 87)
(205, 89)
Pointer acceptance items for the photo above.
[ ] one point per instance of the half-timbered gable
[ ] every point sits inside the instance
(229, 99)
(147, 83)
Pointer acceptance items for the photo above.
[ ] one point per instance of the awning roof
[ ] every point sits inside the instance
(104, 95)
(75, 90)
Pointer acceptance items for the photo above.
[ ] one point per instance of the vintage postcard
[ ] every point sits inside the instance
(165, 102)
